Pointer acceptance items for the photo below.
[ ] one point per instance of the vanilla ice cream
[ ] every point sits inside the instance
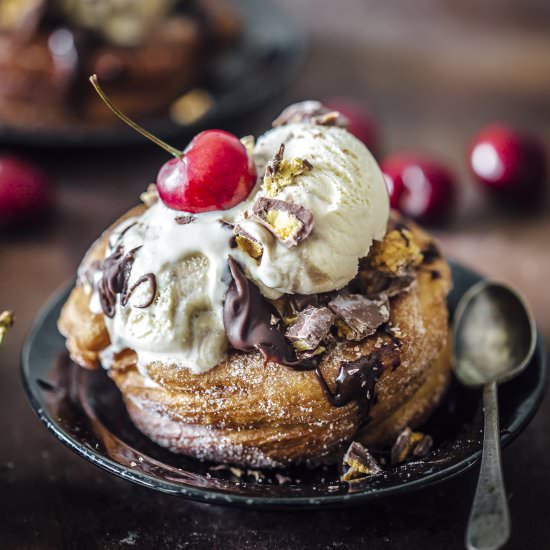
(345, 192)
(179, 275)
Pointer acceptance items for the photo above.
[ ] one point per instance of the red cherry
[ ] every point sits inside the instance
(214, 173)
(419, 187)
(25, 191)
(361, 123)
(509, 162)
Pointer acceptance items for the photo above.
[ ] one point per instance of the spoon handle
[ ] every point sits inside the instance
(489, 523)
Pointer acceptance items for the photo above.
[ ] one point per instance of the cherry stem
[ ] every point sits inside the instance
(172, 150)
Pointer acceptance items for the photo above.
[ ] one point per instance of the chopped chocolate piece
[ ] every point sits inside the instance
(301, 301)
(376, 284)
(358, 463)
(361, 316)
(275, 162)
(282, 479)
(423, 447)
(247, 243)
(311, 327)
(310, 111)
(184, 220)
(280, 173)
(289, 222)
(406, 445)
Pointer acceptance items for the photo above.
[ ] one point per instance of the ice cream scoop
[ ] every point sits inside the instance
(341, 187)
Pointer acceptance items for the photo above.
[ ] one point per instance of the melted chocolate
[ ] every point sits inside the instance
(357, 379)
(252, 323)
(116, 273)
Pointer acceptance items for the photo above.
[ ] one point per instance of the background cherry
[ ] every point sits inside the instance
(26, 192)
(508, 162)
(361, 123)
(420, 187)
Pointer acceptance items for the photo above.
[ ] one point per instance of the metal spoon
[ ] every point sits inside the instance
(494, 339)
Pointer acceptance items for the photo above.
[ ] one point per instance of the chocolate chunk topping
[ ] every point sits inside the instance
(376, 284)
(247, 243)
(151, 281)
(358, 463)
(361, 316)
(280, 172)
(275, 162)
(184, 220)
(248, 321)
(289, 222)
(310, 328)
(116, 273)
(410, 444)
(313, 112)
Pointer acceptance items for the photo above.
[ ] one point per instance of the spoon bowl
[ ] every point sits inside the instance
(494, 334)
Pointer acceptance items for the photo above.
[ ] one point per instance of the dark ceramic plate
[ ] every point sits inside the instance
(84, 410)
(262, 65)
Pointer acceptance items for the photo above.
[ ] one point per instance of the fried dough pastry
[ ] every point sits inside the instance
(255, 413)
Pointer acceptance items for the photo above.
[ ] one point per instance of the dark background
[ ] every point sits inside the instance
(432, 73)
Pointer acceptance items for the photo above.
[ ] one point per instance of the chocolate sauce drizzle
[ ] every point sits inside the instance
(116, 274)
(356, 380)
(148, 278)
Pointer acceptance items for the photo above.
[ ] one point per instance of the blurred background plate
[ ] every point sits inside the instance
(258, 68)
(84, 410)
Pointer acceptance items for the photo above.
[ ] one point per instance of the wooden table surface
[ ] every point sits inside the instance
(432, 76)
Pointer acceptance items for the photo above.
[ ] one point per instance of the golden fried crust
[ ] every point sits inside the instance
(246, 412)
